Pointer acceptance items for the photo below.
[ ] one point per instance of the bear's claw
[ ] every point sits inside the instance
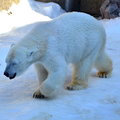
(69, 88)
(38, 94)
(75, 85)
(103, 74)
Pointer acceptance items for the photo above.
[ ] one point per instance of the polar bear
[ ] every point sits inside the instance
(75, 38)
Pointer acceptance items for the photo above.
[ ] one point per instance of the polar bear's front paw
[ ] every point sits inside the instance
(103, 74)
(74, 85)
(37, 94)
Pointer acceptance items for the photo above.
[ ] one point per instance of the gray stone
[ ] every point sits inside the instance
(110, 9)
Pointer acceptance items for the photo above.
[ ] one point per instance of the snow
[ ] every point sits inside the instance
(23, 14)
(100, 101)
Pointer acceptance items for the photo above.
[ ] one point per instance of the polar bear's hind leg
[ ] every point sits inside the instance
(81, 73)
(104, 65)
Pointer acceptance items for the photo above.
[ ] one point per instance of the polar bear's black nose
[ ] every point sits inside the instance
(13, 76)
(6, 74)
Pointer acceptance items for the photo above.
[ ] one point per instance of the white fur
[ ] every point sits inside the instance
(75, 38)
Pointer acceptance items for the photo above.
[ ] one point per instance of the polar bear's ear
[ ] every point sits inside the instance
(12, 45)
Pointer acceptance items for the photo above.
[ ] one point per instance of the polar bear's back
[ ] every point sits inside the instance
(74, 15)
(78, 24)
(78, 32)
(77, 18)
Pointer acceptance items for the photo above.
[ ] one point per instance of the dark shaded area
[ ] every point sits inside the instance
(89, 6)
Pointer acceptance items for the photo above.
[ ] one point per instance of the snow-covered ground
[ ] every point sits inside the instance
(100, 101)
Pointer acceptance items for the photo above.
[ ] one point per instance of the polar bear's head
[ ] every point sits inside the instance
(18, 60)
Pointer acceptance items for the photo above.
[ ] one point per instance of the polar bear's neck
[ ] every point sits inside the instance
(37, 38)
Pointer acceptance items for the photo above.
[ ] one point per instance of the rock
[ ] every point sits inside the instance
(110, 9)
(91, 6)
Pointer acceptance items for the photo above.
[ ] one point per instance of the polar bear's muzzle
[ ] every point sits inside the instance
(10, 73)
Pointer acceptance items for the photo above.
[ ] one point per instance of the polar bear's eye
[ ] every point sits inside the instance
(31, 53)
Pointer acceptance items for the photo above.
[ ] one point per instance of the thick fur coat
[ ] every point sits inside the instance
(76, 38)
